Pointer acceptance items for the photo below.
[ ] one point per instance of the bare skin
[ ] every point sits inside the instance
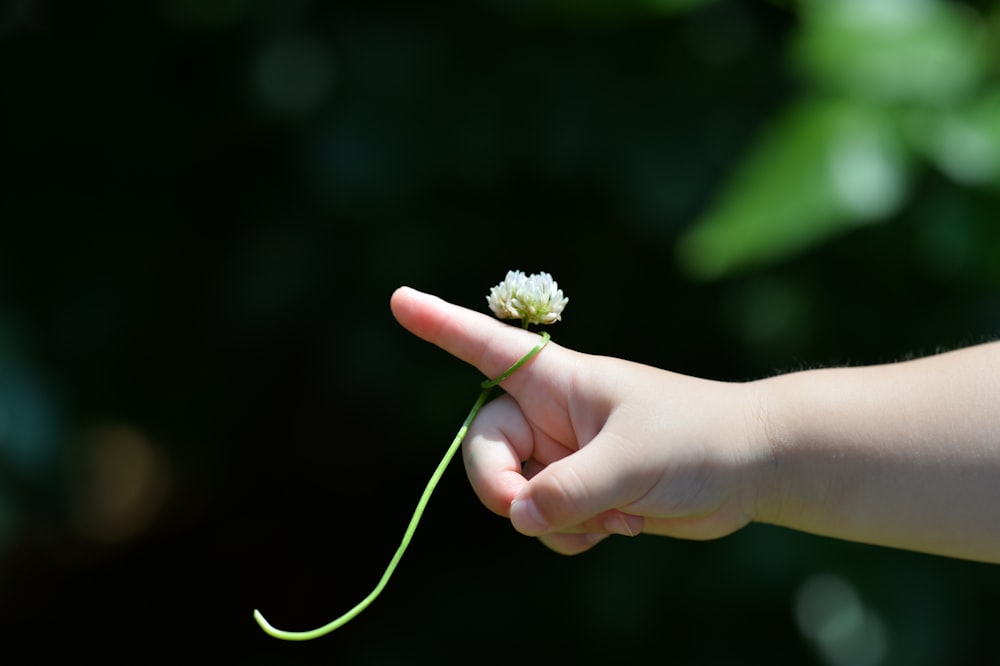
(904, 455)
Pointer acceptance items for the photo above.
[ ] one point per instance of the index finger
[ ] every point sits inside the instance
(476, 338)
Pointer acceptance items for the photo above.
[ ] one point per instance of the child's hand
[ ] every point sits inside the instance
(585, 446)
(900, 454)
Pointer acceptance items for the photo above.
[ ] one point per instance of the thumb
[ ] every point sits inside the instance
(581, 492)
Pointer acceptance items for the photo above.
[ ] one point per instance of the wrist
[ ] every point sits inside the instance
(766, 440)
(809, 476)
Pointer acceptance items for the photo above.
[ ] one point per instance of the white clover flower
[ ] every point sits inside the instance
(535, 300)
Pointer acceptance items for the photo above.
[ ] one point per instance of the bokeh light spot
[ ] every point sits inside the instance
(118, 480)
(866, 177)
(295, 74)
(829, 612)
(29, 419)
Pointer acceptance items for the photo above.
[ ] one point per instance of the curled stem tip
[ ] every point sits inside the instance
(425, 497)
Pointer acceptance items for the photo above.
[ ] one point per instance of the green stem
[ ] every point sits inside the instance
(487, 386)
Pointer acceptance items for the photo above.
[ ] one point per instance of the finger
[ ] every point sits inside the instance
(611, 521)
(572, 544)
(593, 531)
(577, 489)
(614, 521)
(498, 441)
(476, 338)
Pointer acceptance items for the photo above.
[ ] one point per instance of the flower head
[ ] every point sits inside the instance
(535, 300)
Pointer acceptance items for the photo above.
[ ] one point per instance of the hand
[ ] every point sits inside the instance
(585, 446)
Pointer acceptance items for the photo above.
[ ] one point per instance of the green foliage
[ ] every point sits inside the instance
(923, 52)
(825, 164)
(886, 85)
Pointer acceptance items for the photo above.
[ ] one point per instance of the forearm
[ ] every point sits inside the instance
(904, 455)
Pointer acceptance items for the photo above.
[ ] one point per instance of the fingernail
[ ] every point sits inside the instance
(527, 519)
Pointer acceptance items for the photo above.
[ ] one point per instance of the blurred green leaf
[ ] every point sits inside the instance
(964, 142)
(921, 51)
(822, 167)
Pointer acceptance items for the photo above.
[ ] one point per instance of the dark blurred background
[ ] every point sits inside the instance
(206, 406)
